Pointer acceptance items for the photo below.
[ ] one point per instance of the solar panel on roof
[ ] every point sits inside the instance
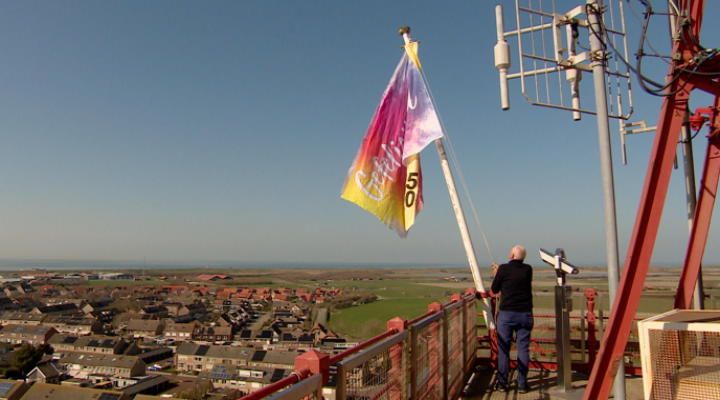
(202, 350)
(259, 355)
(277, 375)
(69, 340)
(5, 387)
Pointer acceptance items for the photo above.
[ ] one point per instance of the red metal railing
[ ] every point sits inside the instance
(432, 353)
(362, 346)
(277, 386)
(584, 342)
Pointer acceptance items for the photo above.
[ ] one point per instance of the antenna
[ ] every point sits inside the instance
(593, 33)
(502, 58)
(549, 43)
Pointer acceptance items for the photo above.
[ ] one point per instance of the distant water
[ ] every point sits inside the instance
(78, 265)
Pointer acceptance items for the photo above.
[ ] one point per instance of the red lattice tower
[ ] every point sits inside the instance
(689, 75)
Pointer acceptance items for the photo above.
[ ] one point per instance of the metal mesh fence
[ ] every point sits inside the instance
(685, 364)
(471, 315)
(379, 373)
(307, 389)
(428, 360)
(427, 355)
(455, 349)
(543, 348)
(290, 395)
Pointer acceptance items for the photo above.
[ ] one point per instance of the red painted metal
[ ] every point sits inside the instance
(700, 117)
(591, 318)
(703, 211)
(275, 387)
(709, 86)
(421, 317)
(552, 366)
(492, 333)
(642, 243)
(651, 207)
(362, 345)
(314, 361)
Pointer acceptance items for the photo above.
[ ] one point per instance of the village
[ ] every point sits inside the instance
(191, 337)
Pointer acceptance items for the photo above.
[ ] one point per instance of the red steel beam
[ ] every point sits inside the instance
(703, 215)
(649, 214)
(710, 86)
(642, 242)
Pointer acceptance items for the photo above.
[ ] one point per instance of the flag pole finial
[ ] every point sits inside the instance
(404, 31)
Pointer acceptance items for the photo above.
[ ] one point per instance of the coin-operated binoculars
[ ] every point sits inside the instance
(563, 307)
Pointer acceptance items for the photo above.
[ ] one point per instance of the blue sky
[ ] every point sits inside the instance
(222, 131)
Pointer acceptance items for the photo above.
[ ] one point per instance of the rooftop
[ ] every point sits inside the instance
(95, 360)
(45, 391)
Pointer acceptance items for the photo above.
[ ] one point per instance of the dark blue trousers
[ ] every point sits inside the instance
(507, 323)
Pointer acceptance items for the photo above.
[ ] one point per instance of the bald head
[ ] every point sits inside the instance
(517, 253)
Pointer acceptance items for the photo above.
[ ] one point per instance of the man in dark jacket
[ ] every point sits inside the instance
(514, 283)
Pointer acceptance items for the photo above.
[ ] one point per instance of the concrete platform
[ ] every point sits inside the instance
(542, 387)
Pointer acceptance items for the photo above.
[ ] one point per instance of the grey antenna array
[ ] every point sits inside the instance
(553, 52)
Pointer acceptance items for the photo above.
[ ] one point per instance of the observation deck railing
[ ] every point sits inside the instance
(432, 356)
(428, 357)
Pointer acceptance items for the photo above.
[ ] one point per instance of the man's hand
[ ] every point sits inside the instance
(494, 269)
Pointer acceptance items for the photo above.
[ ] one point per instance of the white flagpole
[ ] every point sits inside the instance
(457, 207)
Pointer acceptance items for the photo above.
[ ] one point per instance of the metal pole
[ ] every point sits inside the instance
(562, 336)
(457, 208)
(562, 324)
(689, 166)
(691, 199)
(464, 232)
(594, 8)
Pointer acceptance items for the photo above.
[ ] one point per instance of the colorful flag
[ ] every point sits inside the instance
(385, 179)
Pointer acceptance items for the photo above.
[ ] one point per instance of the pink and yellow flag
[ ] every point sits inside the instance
(385, 178)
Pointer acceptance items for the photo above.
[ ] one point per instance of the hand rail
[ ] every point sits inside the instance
(263, 392)
(427, 319)
(357, 359)
(306, 387)
(360, 346)
(420, 317)
(318, 367)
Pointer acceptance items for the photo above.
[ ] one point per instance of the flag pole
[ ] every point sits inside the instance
(457, 207)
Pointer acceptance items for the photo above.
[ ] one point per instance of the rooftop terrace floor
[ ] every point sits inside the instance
(542, 387)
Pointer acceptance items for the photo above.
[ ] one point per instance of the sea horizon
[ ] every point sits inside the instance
(83, 265)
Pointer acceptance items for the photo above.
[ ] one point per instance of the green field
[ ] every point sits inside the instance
(368, 320)
(397, 298)
(408, 299)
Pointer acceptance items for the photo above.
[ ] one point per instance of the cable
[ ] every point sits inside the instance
(454, 161)
(643, 80)
(691, 137)
(657, 89)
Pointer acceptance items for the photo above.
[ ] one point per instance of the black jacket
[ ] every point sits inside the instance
(514, 281)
